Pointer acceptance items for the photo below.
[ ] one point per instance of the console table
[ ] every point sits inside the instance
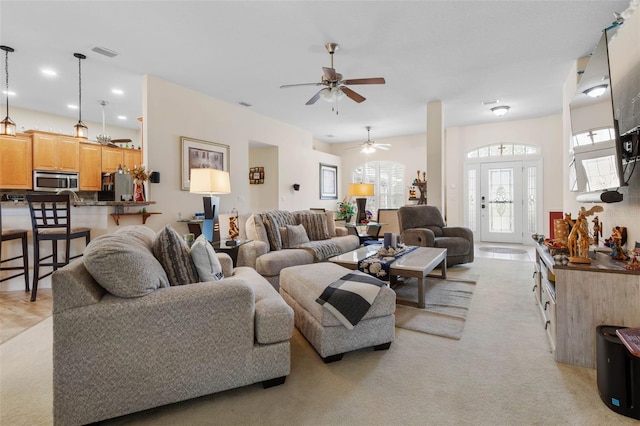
(576, 298)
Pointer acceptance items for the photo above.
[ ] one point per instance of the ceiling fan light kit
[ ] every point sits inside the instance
(335, 86)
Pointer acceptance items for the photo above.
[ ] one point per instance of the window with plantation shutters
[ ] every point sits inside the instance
(388, 178)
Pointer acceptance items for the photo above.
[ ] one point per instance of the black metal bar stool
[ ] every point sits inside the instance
(15, 234)
(51, 221)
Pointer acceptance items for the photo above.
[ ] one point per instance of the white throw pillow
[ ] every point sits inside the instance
(206, 261)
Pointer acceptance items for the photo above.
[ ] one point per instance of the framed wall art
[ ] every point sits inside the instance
(200, 154)
(256, 175)
(328, 182)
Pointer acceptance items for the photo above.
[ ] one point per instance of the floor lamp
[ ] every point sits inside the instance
(210, 181)
(360, 191)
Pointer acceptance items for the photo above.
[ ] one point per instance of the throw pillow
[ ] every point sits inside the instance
(293, 235)
(123, 264)
(205, 260)
(173, 254)
(331, 223)
(315, 225)
(273, 220)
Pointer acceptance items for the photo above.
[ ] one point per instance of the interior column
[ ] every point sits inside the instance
(435, 156)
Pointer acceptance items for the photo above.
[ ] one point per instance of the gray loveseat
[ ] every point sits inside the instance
(118, 355)
(267, 254)
(424, 226)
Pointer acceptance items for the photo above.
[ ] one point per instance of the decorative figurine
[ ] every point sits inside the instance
(422, 187)
(234, 230)
(579, 240)
(597, 231)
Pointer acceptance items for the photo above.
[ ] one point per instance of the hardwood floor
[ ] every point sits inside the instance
(17, 313)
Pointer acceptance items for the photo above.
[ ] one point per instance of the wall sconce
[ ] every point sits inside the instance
(80, 130)
(296, 187)
(500, 110)
(7, 126)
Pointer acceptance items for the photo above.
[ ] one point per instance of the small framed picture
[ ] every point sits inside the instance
(256, 175)
(328, 182)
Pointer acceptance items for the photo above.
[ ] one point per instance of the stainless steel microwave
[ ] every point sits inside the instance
(55, 181)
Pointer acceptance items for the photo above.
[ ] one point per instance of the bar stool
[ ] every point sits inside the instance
(51, 221)
(15, 234)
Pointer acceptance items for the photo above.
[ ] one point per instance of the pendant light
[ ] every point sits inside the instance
(80, 130)
(7, 126)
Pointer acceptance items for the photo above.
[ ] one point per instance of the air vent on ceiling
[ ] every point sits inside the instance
(104, 51)
(244, 104)
(495, 101)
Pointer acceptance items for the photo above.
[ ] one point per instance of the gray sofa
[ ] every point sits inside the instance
(268, 258)
(118, 355)
(424, 226)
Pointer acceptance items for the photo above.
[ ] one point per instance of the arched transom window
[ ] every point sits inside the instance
(502, 150)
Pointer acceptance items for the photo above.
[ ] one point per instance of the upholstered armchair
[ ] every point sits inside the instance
(424, 226)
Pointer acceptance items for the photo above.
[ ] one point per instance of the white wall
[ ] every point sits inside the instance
(172, 111)
(264, 196)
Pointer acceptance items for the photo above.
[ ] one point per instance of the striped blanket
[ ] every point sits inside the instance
(350, 297)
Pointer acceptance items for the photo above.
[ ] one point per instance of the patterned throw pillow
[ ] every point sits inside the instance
(315, 225)
(293, 235)
(273, 220)
(173, 254)
(205, 260)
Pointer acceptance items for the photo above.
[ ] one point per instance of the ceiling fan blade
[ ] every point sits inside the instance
(353, 95)
(377, 80)
(329, 73)
(384, 148)
(284, 86)
(314, 98)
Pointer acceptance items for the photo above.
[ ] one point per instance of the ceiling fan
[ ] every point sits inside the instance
(335, 86)
(370, 146)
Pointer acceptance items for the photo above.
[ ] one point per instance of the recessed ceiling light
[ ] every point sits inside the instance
(10, 93)
(117, 91)
(500, 110)
(49, 72)
(70, 106)
(122, 117)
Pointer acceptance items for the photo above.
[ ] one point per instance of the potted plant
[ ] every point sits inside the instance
(346, 210)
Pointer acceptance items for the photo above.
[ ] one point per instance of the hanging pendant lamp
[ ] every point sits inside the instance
(7, 126)
(80, 130)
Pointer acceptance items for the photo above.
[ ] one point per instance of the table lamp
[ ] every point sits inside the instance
(210, 181)
(360, 191)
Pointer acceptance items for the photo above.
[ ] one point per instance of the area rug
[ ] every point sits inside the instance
(446, 306)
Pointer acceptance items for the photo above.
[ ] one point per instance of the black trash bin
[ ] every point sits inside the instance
(618, 373)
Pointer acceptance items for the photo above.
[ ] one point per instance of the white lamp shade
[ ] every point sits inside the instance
(209, 181)
(361, 189)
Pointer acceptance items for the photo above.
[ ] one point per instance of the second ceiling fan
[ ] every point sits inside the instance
(370, 146)
(335, 86)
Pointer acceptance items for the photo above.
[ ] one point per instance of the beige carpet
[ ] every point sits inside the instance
(501, 372)
(446, 306)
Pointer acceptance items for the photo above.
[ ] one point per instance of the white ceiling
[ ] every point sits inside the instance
(459, 52)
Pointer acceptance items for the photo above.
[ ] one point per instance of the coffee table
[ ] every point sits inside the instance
(416, 264)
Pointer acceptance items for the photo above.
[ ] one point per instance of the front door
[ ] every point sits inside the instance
(501, 202)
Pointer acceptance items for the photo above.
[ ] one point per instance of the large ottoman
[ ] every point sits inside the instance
(300, 286)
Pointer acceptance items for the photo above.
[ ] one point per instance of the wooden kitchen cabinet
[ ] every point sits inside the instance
(90, 167)
(16, 162)
(132, 157)
(55, 152)
(111, 158)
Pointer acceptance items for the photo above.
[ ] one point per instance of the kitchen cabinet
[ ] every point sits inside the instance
(55, 152)
(132, 157)
(90, 167)
(112, 157)
(16, 162)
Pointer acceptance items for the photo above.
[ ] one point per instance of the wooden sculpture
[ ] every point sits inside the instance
(421, 184)
(579, 240)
